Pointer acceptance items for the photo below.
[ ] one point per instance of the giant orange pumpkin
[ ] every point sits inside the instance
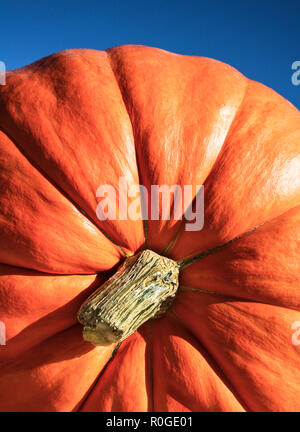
(82, 118)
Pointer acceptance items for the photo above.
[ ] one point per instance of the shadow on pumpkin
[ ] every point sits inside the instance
(49, 329)
(160, 338)
(168, 335)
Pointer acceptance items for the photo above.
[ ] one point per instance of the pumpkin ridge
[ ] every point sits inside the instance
(209, 251)
(212, 363)
(12, 363)
(145, 221)
(181, 224)
(57, 187)
(117, 63)
(184, 288)
(185, 262)
(150, 377)
(112, 66)
(79, 406)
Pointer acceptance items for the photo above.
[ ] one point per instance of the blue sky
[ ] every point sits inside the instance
(260, 38)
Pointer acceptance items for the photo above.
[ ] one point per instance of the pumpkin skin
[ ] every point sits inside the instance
(81, 118)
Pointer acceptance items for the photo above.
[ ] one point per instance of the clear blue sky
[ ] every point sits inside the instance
(261, 38)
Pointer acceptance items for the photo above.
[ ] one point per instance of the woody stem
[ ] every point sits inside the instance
(142, 288)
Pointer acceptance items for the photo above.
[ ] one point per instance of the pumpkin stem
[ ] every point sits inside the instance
(143, 287)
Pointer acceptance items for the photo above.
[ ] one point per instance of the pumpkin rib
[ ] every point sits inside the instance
(253, 239)
(26, 269)
(119, 380)
(112, 54)
(79, 159)
(49, 319)
(188, 260)
(42, 230)
(58, 188)
(266, 167)
(34, 347)
(47, 273)
(212, 363)
(145, 222)
(185, 262)
(44, 273)
(80, 404)
(112, 66)
(49, 374)
(183, 288)
(174, 239)
(184, 377)
(249, 327)
(150, 375)
(117, 401)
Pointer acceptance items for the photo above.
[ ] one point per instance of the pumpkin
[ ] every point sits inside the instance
(83, 118)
